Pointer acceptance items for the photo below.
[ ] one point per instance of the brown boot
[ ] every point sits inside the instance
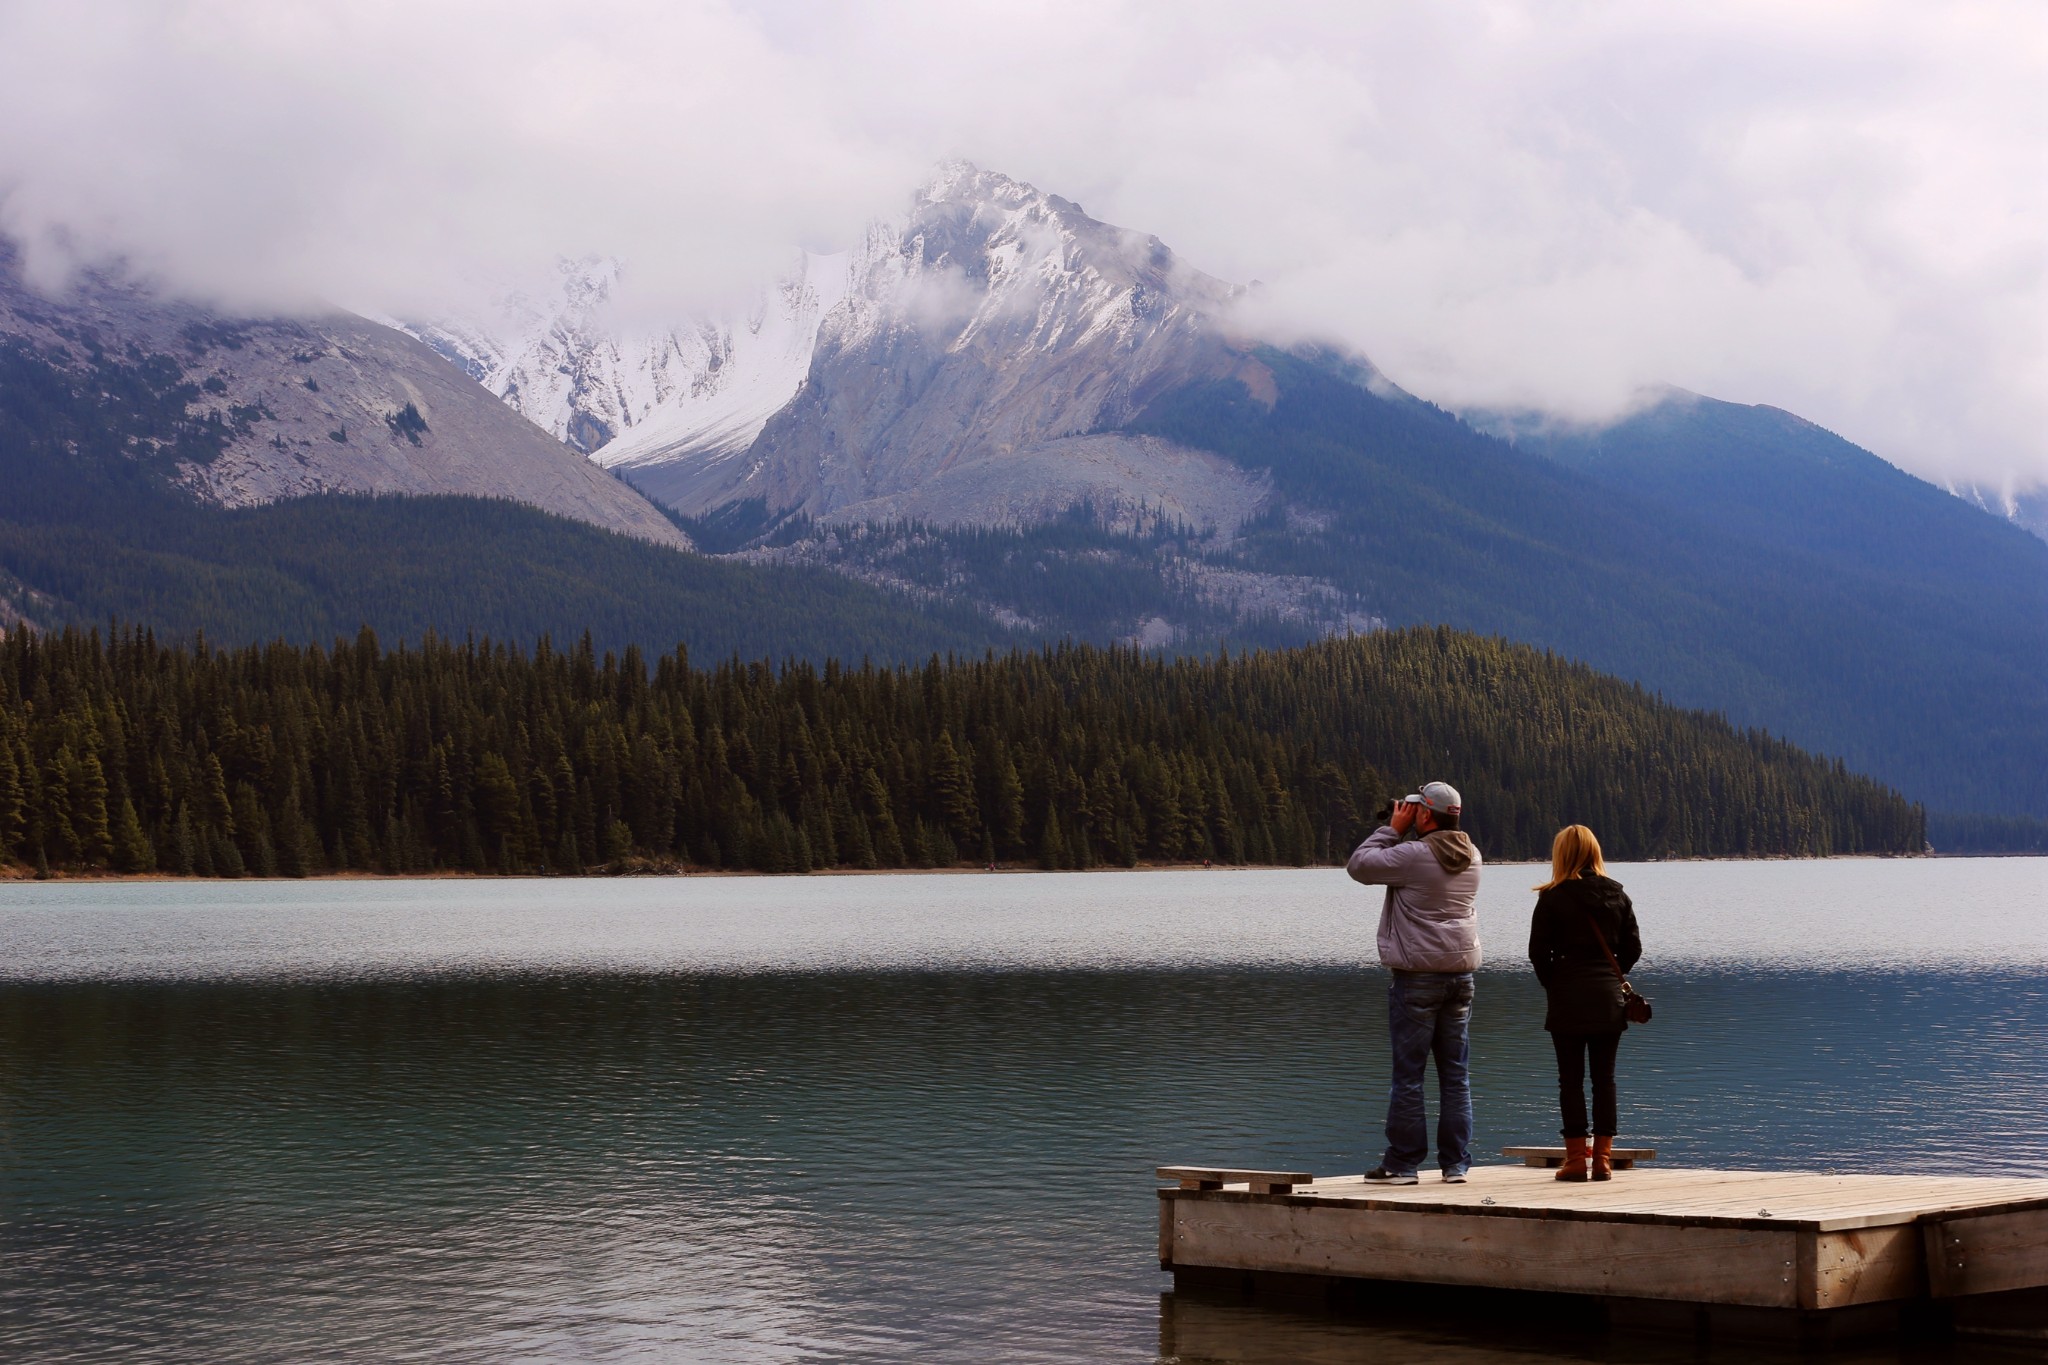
(1603, 1158)
(1574, 1167)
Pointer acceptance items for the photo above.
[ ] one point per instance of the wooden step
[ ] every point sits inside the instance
(1216, 1177)
(1624, 1157)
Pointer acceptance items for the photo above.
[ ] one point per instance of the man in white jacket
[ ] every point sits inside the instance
(1429, 943)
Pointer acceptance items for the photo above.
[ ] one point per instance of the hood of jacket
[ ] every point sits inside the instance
(1454, 850)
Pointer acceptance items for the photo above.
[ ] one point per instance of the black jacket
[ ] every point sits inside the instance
(1584, 993)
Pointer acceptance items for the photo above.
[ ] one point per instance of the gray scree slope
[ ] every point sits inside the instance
(323, 389)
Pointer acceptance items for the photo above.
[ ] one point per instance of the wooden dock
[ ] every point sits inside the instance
(1755, 1240)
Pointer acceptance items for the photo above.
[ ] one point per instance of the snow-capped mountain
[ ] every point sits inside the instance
(968, 362)
(559, 359)
(323, 404)
(990, 347)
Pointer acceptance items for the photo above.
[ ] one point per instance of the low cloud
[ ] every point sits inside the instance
(1836, 208)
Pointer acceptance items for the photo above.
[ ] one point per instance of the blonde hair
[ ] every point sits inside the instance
(1574, 851)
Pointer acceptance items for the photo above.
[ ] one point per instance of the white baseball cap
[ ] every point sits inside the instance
(1440, 797)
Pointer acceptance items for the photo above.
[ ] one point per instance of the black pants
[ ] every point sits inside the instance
(1572, 1051)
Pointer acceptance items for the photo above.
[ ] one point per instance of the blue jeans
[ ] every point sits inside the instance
(1429, 1014)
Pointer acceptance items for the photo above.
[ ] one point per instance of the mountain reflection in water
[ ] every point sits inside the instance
(591, 1119)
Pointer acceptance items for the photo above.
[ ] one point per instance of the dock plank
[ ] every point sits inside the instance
(1986, 1254)
(1509, 1187)
(1828, 1202)
(1839, 1207)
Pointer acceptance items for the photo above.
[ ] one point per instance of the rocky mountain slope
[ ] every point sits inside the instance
(981, 368)
(326, 404)
(970, 363)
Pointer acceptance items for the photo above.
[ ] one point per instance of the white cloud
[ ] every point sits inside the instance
(1838, 208)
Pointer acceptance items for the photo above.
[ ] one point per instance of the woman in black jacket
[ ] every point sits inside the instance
(1585, 1016)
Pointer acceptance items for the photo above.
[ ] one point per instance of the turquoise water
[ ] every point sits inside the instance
(878, 1118)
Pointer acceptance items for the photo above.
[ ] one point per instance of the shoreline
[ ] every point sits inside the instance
(21, 875)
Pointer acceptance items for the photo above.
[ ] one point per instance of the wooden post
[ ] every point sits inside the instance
(1166, 1229)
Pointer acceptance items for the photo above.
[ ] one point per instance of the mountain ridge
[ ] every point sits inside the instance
(1051, 421)
(1053, 362)
(287, 407)
(970, 362)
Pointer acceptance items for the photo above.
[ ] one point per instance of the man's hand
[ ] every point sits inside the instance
(1404, 816)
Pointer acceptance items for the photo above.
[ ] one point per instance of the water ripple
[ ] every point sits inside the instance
(566, 1121)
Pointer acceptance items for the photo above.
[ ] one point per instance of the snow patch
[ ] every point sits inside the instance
(624, 396)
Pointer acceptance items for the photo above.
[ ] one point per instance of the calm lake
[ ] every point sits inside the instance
(889, 1118)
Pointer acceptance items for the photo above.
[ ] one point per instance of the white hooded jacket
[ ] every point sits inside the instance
(1429, 922)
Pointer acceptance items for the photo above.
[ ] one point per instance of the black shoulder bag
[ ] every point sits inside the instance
(1634, 1008)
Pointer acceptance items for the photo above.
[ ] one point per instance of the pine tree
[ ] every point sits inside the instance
(94, 822)
(184, 843)
(816, 827)
(13, 816)
(294, 858)
(55, 826)
(775, 854)
(952, 789)
(863, 844)
(227, 859)
(216, 815)
(497, 800)
(888, 841)
(131, 847)
(1009, 809)
(1052, 844)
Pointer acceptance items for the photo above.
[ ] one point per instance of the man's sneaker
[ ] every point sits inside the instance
(1455, 1177)
(1380, 1175)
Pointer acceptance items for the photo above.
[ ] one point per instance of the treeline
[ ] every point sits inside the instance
(130, 754)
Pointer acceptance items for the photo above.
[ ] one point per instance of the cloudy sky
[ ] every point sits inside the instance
(1838, 208)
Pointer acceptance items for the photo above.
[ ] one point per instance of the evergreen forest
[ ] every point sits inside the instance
(130, 754)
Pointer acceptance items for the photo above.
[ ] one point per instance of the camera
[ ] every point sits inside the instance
(1393, 803)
